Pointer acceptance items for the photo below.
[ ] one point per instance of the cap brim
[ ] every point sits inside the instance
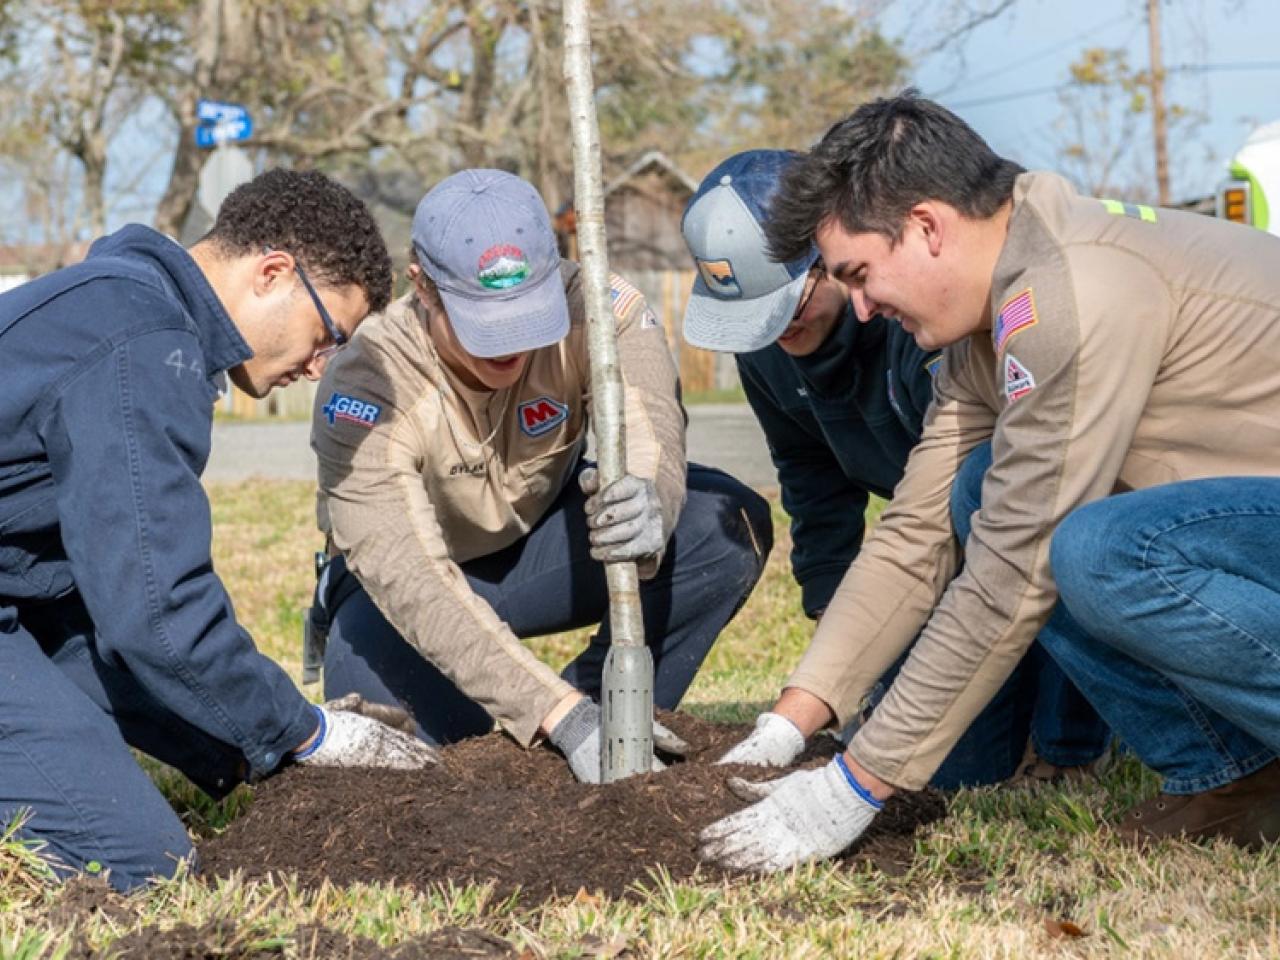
(536, 318)
(739, 326)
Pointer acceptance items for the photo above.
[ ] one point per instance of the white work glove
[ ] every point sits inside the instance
(775, 742)
(625, 520)
(577, 736)
(810, 815)
(348, 738)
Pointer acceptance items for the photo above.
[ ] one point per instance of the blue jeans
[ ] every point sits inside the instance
(1038, 700)
(67, 720)
(1174, 626)
(547, 583)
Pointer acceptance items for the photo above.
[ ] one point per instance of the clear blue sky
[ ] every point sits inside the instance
(1030, 47)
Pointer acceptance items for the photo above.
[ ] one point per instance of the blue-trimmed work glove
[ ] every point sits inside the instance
(348, 738)
(809, 815)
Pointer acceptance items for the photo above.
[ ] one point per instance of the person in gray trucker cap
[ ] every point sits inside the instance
(461, 514)
(842, 403)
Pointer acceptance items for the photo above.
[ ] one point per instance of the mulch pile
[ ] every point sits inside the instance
(492, 811)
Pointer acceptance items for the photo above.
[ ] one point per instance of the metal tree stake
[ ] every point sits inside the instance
(627, 693)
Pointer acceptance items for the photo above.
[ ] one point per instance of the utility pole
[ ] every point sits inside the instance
(626, 693)
(1159, 117)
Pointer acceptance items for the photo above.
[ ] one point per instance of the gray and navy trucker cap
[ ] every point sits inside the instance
(742, 300)
(485, 239)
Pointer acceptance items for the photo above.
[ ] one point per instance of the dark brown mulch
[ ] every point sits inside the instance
(494, 811)
(447, 943)
(84, 897)
(216, 940)
(225, 940)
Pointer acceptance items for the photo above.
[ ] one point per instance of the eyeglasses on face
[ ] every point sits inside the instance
(337, 336)
(812, 279)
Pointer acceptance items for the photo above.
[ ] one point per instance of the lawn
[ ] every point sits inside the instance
(1008, 873)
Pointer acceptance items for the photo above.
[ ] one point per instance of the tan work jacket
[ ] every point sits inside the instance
(417, 474)
(1130, 347)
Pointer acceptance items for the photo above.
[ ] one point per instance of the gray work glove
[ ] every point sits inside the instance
(354, 733)
(809, 815)
(775, 742)
(577, 736)
(625, 520)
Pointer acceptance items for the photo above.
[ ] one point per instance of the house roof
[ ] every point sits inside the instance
(654, 159)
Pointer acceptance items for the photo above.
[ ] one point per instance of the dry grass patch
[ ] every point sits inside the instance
(1008, 873)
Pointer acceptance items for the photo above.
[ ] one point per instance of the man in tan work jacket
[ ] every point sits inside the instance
(1124, 362)
(461, 514)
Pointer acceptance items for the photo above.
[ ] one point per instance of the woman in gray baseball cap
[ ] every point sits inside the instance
(461, 513)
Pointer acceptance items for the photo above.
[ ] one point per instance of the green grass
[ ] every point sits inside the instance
(984, 881)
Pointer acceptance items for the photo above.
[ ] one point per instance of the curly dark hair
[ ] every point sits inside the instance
(872, 167)
(322, 223)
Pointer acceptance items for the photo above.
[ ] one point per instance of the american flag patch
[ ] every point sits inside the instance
(624, 295)
(1018, 313)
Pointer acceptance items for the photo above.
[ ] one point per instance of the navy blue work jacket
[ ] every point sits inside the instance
(106, 413)
(840, 424)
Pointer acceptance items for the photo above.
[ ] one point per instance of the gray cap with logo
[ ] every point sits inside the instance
(742, 300)
(485, 239)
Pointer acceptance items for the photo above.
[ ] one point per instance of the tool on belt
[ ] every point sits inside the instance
(334, 583)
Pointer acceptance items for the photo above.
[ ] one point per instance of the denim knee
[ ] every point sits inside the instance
(142, 852)
(966, 489)
(726, 522)
(1084, 553)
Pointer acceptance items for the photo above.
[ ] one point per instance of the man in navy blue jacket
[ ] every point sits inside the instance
(842, 403)
(114, 629)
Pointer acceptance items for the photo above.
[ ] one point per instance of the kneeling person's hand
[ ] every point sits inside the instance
(810, 815)
(625, 519)
(775, 742)
(577, 736)
(354, 733)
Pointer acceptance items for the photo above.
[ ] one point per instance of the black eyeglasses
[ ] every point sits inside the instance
(815, 274)
(337, 336)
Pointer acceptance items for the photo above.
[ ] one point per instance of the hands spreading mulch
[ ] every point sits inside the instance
(493, 811)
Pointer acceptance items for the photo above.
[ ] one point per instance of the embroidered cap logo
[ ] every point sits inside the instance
(501, 266)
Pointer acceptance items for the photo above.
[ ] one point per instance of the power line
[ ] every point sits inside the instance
(1034, 55)
(1054, 88)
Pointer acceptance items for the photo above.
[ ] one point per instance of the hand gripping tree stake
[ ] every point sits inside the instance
(626, 730)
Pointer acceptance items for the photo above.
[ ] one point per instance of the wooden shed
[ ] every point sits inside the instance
(642, 209)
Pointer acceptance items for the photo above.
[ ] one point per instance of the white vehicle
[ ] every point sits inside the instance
(1254, 182)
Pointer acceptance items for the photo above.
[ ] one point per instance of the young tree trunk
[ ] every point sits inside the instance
(627, 689)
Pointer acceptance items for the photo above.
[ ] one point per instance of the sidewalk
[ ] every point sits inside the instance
(723, 435)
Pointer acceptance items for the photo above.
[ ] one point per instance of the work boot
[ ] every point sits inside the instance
(1245, 811)
(1034, 770)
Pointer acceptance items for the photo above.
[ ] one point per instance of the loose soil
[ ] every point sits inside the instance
(492, 811)
(225, 940)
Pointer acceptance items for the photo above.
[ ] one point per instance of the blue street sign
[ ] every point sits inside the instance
(231, 131)
(215, 111)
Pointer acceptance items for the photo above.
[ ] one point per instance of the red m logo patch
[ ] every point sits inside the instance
(541, 415)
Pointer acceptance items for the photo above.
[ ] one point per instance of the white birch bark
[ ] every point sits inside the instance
(627, 692)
